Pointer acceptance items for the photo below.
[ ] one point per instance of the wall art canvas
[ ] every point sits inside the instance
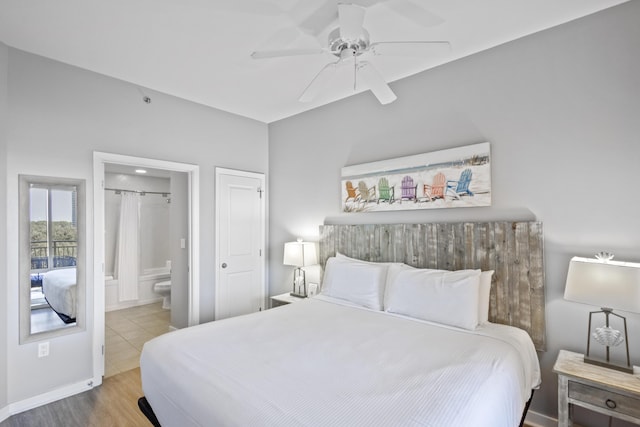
(453, 178)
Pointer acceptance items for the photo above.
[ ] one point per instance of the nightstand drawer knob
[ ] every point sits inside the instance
(610, 403)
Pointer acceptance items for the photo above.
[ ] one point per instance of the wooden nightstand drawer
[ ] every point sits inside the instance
(596, 388)
(604, 399)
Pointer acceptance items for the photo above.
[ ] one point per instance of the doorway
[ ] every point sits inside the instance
(187, 195)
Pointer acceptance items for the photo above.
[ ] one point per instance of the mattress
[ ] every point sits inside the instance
(59, 288)
(319, 362)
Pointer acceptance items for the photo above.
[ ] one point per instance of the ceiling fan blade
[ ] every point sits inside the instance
(351, 18)
(313, 18)
(262, 54)
(319, 82)
(376, 83)
(410, 48)
(415, 13)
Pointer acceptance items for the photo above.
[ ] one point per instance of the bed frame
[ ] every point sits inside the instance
(514, 250)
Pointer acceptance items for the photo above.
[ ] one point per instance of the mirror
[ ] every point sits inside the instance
(52, 256)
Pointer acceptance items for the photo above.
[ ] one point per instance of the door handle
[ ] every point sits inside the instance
(224, 265)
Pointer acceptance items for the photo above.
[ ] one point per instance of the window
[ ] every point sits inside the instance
(53, 229)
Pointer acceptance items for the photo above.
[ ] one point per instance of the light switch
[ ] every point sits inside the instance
(183, 243)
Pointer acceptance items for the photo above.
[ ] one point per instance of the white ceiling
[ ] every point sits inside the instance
(200, 49)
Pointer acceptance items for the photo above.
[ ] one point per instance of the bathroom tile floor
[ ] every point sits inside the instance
(127, 330)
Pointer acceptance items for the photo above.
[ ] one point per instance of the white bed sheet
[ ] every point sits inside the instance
(318, 362)
(59, 288)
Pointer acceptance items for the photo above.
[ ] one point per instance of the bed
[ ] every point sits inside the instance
(368, 350)
(59, 289)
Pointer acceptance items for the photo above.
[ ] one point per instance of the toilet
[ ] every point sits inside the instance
(164, 289)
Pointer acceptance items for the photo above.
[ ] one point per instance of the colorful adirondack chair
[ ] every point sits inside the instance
(408, 189)
(365, 193)
(351, 192)
(386, 193)
(460, 187)
(437, 189)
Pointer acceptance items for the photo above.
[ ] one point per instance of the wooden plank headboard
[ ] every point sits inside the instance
(514, 250)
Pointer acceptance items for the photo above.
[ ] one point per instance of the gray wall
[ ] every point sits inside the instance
(179, 229)
(59, 115)
(4, 67)
(560, 109)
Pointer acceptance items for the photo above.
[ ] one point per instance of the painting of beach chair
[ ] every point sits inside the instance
(386, 193)
(460, 187)
(365, 193)
(435, 190)
(351, 192)
(408, 189)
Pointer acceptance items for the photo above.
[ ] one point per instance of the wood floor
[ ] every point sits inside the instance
(114, 403)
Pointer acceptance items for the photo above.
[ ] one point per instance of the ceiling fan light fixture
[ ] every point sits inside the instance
(349, 42)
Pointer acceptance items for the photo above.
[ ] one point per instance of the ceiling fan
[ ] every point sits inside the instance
(350, 44)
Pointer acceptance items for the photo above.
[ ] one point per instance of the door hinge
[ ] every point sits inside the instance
(260, 252)
(103, 349)
(260, 191)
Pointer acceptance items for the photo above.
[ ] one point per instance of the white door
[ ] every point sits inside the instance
(240, 234)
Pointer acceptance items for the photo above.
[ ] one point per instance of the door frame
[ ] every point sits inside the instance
(193, 172)
(263, 238)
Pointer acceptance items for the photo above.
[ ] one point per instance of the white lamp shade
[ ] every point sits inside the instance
(300, 254)
(610, 284)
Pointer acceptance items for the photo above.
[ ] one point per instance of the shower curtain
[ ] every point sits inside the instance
(128, 256)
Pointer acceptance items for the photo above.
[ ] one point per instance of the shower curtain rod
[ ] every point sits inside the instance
(141, 192)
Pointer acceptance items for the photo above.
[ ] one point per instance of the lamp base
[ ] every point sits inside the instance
(293, 294)
(605, 364)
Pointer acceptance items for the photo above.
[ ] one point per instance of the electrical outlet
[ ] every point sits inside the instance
(43, 349)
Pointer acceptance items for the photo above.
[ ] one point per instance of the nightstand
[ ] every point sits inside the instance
(599, 389)
(283, 299)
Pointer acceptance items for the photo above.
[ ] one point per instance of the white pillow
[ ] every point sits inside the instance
(361, 283)
(393, 267)
(484, 297)
(447, 297)
(392, 274)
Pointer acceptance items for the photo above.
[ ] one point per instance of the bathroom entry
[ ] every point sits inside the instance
(146, 256)
(118, 163)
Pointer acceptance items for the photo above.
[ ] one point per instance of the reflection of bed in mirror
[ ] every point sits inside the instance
(59, 289)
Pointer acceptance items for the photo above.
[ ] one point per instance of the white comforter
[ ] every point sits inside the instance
(321, 363)
(59, 287)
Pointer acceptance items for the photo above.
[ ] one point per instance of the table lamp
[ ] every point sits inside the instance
(299, 254)
(608, 284)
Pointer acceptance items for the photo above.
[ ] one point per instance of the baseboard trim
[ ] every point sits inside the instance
(51, 396)
(4, 413)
